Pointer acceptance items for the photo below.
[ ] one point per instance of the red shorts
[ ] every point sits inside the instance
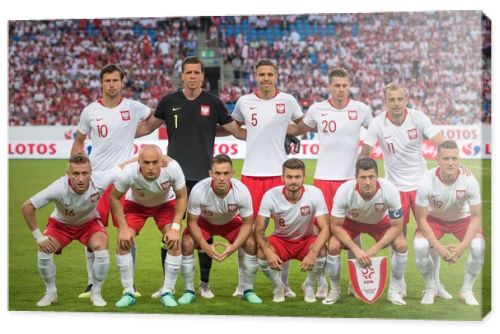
(288, 249)
(257, 186)
(376, 231)
(407, 203)
(456, 227)
(104, 208)
(329, 189)
(64, 234)
(136, 214)
(229, 230)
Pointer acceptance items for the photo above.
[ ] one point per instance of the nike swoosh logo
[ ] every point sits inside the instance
(324, 114)
(99, 119)
(175, 109)
(253, 108)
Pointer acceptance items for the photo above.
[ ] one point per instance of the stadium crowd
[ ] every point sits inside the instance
(53, 65)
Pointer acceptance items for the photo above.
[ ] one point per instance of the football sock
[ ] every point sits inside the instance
(172, 266)
(205, 264)
(313, 275)
(47, 270)
(398, 266)
(270, 273)
(187, 270)
(474, 263)
(285, 269)
(89, 260)
(424, 261)
(333, 269)
(126, 268)
(249, 271)
(100, 269)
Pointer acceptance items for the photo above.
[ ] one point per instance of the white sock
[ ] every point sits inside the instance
(125, 265)
(270, 273)
(241, 268)
(100, 269)
(172, 266)
(436, 261)
(89, 260)
(398, 266)
(313, 275)
(285, 270)
(187, 270)
(424, 261)
(474, 263)
(333, 270)
(250, 267)
(47, 269)
(322, 276)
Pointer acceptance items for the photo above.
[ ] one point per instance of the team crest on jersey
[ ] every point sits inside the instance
(305, 210)
(232, 207)
(280, 108)
(165, 185)
(353, 115)
(125, 115)
(94, 197)
(354, 212)
(204, 110)
(412, 133)
(379, 207)
(460, 194)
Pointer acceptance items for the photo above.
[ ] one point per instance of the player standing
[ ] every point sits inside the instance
(192, 117)
(338, 122)
(449, 202)
(111, 123)
(266, 114)
(400, 132)
(294, 208)
(151, 191)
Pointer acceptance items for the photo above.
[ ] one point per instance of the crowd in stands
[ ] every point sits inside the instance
(54, 65)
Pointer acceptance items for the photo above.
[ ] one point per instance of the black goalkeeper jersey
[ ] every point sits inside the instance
(191, 127)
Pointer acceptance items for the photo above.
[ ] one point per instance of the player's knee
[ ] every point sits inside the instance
(188, 245)
(98, 241)
(250, 246)
(322, 252)
(421, 247)
(477, 247)
(334, 246)
(400, 245)
(260, 254)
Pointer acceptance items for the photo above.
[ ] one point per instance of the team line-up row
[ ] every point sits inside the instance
(345, 185)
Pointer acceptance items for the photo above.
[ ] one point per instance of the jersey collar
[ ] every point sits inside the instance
(257, 94)
(213, 189)
(440, 179)
(100, 101)
(390, 120)
(330, 101)
(283, 191)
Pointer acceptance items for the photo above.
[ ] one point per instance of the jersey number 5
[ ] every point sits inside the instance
(254, 119)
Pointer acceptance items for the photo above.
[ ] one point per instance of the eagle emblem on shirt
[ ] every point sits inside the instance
(165, 185)
(353, 115)
(94, 197)
(280, 108)
(412, 134)
(380, 207)
(232, 207)
(305, 210)
(205, 110)
(125, 115)
(460, 194)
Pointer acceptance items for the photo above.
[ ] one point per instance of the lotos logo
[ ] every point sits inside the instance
(470, 149)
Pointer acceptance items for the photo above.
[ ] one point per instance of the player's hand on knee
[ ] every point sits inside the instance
(171, 239)
(274, 261)
(126, 238)
(47, 246)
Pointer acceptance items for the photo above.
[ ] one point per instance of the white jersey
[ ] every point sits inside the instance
(219, 211)
(349, 203)
(112, 131)
(448, 202)
(150, 193)
(338, 131)
(293, 221)
(402, 146)
(266, 122)
(73, 209)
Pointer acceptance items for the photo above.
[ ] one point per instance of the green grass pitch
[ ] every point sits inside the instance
(26, 177)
